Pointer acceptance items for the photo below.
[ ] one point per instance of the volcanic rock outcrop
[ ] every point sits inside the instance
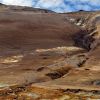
(48, 55)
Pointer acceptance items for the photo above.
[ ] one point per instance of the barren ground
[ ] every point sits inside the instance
(49, 56)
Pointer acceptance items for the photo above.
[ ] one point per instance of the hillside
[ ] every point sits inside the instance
(46, 55)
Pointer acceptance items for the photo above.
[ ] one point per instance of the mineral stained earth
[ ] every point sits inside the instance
(49, 56)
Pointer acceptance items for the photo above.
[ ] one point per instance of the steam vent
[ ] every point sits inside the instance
(49, 56)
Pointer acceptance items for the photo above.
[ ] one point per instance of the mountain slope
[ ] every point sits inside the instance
(45, 55)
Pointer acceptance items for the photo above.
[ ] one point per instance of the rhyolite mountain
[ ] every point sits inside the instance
(48, 55)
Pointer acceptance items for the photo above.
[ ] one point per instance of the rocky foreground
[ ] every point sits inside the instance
(49, 56)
